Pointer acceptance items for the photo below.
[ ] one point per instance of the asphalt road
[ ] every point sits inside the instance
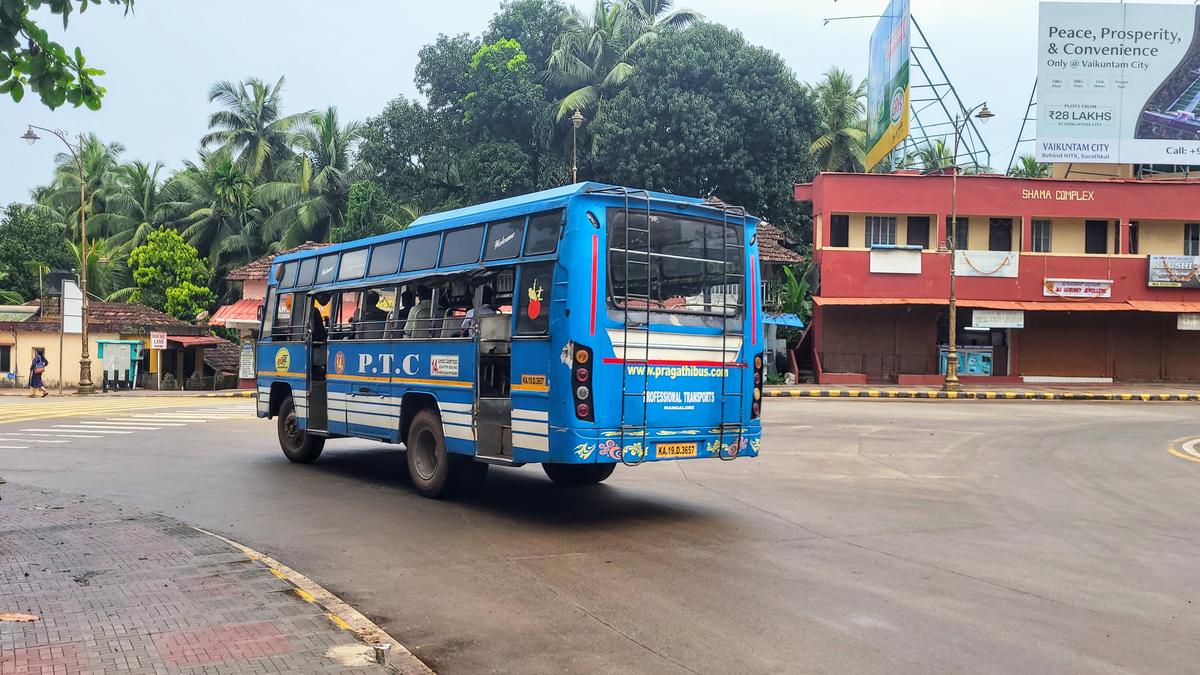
(870, 537)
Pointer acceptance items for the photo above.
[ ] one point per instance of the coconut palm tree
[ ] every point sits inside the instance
(841, 115)
(251, 125)
(214, 202)
(1027, 166)
(936, 155)
(135, 204)
(107, 272)
(592, 58)
(314, 188)
(61, 200)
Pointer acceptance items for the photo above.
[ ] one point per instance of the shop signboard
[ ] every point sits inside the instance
(1174, 271)
(1118, 83)
(998, 318)
(1077, 288)
(246, 361)
(1188, 322)
(887, 82)
(158, 340)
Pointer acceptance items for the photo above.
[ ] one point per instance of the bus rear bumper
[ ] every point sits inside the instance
(654, 445)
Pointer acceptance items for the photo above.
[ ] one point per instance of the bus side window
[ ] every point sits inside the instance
(282, 328)
(371, 316)
(533, 299)
(340, 325)
(268, 316)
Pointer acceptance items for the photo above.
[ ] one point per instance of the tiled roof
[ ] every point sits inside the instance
(120, 317)
(224, 357)
(773, 246)
(242, 310)
(259, 269)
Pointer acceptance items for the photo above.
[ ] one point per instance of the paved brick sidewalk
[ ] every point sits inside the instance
(117, 590)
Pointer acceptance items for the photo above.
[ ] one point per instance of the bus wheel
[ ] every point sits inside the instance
(573, 475)
(436, 472)
(299, 445)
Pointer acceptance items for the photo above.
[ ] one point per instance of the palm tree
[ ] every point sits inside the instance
(251, 125)
(61, 198)
(214, 201)
(935, 156)
(841, 114)
(592, 58)
(107, 273)
(135, 204)
(311, 196)
(1027, 166)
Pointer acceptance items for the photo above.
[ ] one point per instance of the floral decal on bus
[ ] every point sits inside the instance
(584, 450)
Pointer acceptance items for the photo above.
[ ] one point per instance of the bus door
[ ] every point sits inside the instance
(316, 338)
(531, 356)
(493, 405)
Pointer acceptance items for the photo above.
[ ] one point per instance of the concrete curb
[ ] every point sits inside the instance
(979, 395)
(339, 613)
(231, 394)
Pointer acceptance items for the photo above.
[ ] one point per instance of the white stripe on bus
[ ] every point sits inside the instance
(527, 442)
(531, 427)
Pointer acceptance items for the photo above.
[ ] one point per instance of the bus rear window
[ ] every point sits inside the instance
(504, 239)
(675, 263)
(326, 267)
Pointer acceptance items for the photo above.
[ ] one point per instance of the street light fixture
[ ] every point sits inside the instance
(577, 121)
(960, 123)
(85, 361)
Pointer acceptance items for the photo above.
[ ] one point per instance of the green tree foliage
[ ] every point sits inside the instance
(311, 195)
(29, 241)
(134, 204)
(370, 211)
(935, 156)
(534, 24)
(164, 263)
(707, 114)
(251, 125)
(841, 122)
(30, 59)
(187, 300)
(214, 199)
(596, 52)
(1027, 166)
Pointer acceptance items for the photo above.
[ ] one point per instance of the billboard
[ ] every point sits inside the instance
(1118, 83)
(1174, 271)
(887, 83)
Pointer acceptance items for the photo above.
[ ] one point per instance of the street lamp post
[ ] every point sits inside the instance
(85, 361)
(577, 121)
(960, 123)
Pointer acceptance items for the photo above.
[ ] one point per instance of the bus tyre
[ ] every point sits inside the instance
(298, 445)
(574, 475)
(436, 472)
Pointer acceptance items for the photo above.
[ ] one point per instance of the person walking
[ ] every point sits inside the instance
(36, 369)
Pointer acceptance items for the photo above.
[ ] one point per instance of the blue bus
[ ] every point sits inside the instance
(579, 328)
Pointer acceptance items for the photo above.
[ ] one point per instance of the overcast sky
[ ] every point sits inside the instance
(359, 54)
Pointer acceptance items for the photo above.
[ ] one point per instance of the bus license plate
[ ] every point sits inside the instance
(676, 450)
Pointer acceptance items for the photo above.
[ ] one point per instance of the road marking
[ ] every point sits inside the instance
(1185, 448)
(39, 433)
(90, 431)
(85, 426)
(123, 425)
(128, 420)
(14, 447)
(36, 440)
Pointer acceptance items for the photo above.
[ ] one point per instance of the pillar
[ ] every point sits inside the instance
(1123, 237)
(1026, 233)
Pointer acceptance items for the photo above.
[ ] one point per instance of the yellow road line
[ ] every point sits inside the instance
(1178, 446)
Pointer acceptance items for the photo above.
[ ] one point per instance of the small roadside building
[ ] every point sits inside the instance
(37, 324)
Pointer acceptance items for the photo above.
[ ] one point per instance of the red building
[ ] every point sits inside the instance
(1057, 280)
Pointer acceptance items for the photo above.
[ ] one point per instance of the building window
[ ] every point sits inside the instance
(1000, 236)
(839, 230)
(918, 231)
(1191, 239)
(1133, 237)
(6, 359)
(1095, 237)
(960, 234)
(881, 231)
(1041, 236)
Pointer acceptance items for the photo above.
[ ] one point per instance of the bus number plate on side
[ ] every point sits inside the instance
(676, 450)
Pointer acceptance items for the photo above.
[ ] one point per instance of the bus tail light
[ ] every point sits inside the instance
(756, 406)
(581, 365)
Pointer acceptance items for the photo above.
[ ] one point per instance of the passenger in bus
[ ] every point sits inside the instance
(316, 319)
(420, 317)
(369, 320)
(470, 324)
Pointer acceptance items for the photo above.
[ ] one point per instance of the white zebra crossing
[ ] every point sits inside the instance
(131, 423)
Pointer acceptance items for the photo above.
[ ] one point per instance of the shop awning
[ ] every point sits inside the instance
(1162, 306)
(195, 340)
(241, 312)
(782, 319)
